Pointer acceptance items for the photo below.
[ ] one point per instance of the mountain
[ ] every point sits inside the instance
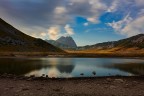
(13, 40)
(131, 42)
(67, 41)
(63, 42)
(57, 44)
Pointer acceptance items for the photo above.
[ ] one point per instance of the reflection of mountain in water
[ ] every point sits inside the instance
(66, 65)
(19, 66)
(136, 69)
(65, 68)
(25, 66)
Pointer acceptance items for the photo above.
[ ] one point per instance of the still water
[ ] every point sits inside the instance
(72, 67)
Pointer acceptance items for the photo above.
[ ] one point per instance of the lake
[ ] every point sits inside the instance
(72, 67)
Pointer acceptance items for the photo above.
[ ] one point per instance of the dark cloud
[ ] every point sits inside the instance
(32, 12)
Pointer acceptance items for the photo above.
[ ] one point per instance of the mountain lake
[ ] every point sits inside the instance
(72, 67)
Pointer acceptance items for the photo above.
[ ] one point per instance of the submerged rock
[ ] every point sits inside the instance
(94, 73)
(82, 74)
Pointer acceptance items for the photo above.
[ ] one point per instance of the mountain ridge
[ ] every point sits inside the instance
(63, 42)
(134, 41)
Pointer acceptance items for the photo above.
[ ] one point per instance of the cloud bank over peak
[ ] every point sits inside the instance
(69, 30)
(53, 32)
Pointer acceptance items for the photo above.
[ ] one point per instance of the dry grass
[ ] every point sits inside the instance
(114, 52)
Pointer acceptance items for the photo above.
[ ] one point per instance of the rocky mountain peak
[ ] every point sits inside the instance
(68, 40)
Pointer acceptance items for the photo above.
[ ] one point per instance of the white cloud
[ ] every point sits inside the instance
(92, 20)
(89, 9)
(129, 26)
(141, 13)
(113, 6)
(69, 30)
(118, 26)
(140, 2)
(43, 34)
(86, 24)
(60, 10)
(53, 32)
(135, 27)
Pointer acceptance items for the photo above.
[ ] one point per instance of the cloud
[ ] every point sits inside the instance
(35, 17)
(113, 6)
(86, 24)
(46, 13)
(89, 9)
(141, 13)
(69, 30)
(53, 32)
(43, 34)
(135, 27)
(128, 26)
(139, 2)
(92, 20)
(122, 7)
(60, 10)
(118, 26)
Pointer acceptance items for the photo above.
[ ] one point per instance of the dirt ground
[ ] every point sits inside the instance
(104, 86)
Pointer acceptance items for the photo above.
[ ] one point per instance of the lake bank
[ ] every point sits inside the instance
(71, 55)
(99, 86)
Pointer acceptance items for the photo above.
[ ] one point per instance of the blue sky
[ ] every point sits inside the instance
(87, 21)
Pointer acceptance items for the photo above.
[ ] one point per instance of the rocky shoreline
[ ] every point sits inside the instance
(93, 86)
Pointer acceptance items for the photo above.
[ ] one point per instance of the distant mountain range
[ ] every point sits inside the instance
(131, 42)
(14, 40)
(64, 42)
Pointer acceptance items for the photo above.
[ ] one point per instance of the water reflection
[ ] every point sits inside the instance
(71, 67)
(19, 66)
(58, 67)
(133, 68)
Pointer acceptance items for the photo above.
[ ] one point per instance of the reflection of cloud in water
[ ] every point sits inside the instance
(55, 67)
(36, 73)
(53, 72)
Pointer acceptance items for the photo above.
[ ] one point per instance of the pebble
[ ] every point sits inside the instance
(108, 79)
(57, 90)
(32, 76)
(25, 89)
(119, 80)
(112, 87)
(29, 79)
(39, 88)
(43, 75)
(46, 76)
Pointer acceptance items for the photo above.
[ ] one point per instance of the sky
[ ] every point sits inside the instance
(87, 21)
